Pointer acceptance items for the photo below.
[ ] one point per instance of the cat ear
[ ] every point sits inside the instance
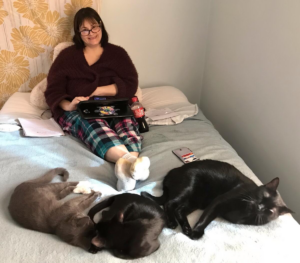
(119, 217)
(273, 184)
(284, 210)
(98, 242)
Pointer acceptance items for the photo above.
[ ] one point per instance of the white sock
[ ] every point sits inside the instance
(139, 170)
(129, 168)
(122, 172)
(140, 166)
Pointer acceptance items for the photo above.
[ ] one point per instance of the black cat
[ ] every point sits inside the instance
(221, 190)
(131, 226)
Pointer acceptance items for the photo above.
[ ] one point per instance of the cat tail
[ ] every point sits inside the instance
(47, 178)
(100, 206)
(158, 199)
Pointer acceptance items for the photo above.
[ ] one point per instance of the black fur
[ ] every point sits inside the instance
(221, 190)
(131, 226)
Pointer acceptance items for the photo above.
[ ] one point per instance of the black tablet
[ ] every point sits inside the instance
(104, 108)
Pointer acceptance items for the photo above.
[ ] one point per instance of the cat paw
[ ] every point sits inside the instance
(196, 234)
(171, 224)
(96, 194)
(62, 172)
(187, 230)
(93, 249)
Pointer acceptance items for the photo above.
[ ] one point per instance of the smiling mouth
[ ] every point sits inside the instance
(92, 38)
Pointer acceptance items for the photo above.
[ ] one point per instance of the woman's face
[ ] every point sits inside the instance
(90, 38)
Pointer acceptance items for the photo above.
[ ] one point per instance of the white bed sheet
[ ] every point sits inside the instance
(26, 158)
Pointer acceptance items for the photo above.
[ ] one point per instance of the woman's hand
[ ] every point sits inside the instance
(75, 101)
(70, 106)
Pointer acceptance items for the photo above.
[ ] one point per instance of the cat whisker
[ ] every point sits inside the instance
(249, 197)
(261, 220)
(245, 200)
(256, 220)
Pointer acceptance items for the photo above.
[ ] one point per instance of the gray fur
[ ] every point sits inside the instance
(37, 205)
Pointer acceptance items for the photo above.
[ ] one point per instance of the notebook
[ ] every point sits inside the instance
(40, 128)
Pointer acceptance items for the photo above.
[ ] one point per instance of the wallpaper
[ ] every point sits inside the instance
(29, 30)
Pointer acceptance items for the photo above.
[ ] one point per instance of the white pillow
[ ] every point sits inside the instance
(37, 95)
(162, 96)
(61, 46)
(18, 106)
(168, 97)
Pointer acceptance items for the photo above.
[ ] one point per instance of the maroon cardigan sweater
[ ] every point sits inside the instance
(70, 76)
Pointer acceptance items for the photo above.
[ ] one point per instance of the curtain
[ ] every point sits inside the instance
(29, 30)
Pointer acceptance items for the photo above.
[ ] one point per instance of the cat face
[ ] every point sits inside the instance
(258, 206)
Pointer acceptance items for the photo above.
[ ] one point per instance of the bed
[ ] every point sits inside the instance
(24, 158)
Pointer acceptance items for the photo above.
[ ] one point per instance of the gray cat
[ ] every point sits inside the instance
(37, 205)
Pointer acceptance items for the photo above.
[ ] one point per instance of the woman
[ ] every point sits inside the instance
(94, 67)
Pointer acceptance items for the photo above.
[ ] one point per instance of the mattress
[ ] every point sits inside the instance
(25, 158)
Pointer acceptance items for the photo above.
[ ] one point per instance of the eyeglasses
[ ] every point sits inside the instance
(86, 32)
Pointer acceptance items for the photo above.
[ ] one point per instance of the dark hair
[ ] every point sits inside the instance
(91, 14)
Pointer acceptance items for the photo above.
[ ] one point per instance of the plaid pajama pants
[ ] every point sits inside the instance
(101, 134)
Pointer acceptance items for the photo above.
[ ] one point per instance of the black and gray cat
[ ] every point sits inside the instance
(130, 228)
(221, 190)
(37, 205)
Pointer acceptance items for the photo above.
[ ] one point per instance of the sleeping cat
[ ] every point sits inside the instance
(37, 205)
(131, 226)
(221, 190)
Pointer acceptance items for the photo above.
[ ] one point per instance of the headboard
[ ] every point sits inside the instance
(29, 31)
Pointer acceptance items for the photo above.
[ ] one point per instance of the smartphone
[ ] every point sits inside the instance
(185, 155)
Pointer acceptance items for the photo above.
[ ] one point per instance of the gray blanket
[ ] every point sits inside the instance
(26, 158)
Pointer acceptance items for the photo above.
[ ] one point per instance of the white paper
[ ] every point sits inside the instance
(159, 114)
(40, 128)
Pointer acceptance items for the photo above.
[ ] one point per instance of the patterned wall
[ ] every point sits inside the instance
(29, 30)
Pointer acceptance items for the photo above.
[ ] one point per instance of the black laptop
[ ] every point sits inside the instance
(101, 107)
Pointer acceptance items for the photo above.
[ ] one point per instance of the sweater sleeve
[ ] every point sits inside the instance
(126, 77)
(57, 83)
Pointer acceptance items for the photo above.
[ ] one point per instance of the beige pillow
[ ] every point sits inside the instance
(158, 97)
(61, 46)
(37, 96)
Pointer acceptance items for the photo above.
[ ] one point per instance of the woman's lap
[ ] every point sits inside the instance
(99, 135)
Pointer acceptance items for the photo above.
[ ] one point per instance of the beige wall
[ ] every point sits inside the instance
(165, 38)
(251, 88)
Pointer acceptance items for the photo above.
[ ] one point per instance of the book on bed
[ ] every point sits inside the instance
(40, 128)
